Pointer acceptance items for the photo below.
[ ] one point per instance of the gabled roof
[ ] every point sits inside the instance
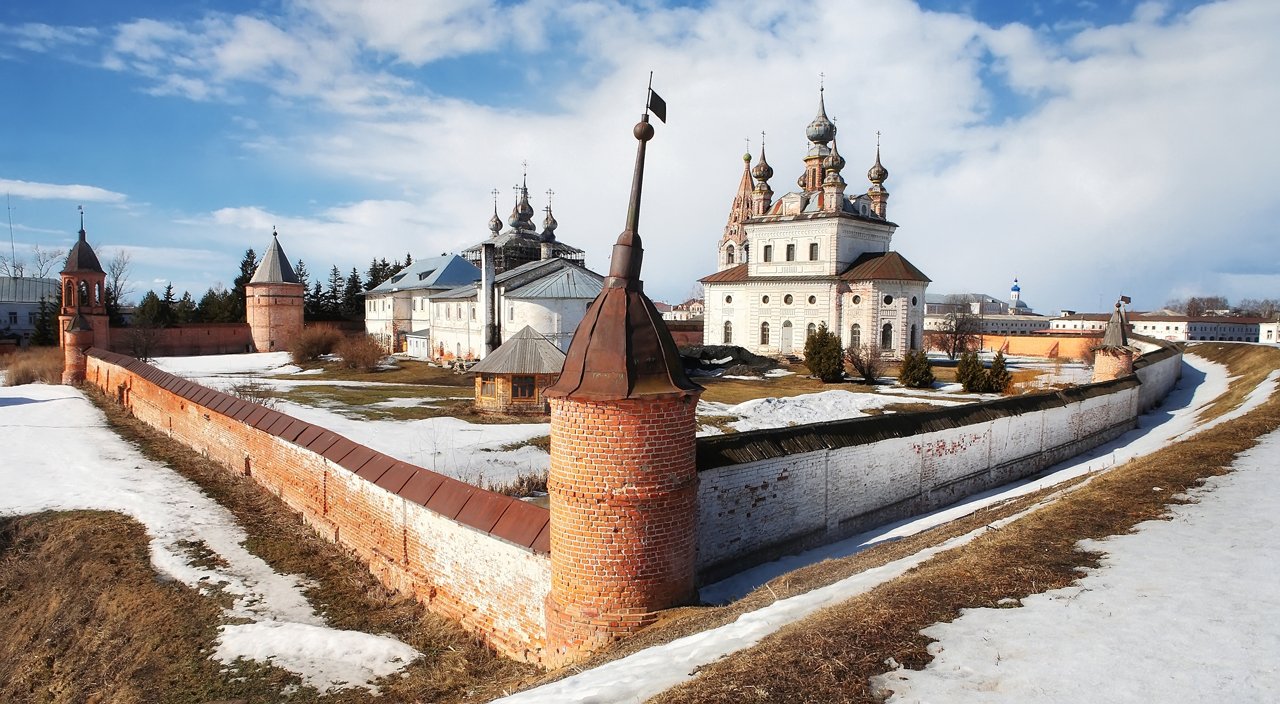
(442, 272)
(526, 352)
(545, 278)
(275, 267)
(883, 266)
(27, 289)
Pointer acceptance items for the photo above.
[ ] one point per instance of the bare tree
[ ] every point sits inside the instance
(960, 326)
(12, 267)
(866, 361)
(118, 285)
(43, 260)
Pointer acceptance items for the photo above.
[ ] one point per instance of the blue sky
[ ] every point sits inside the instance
(1088, 148)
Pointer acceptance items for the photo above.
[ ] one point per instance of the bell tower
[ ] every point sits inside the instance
(82, 319)
(273, 301)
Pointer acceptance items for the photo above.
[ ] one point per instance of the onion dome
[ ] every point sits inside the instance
(549, 226)
(495, 222)
(877, 174)
(746, 157)
(1016, 287)
(822, 129)
(833, 162)
(762, 170)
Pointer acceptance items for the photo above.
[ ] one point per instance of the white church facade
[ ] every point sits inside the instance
(811, 258)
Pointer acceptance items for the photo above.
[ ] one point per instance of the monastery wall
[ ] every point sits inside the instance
(189, 339)
(1053, 347)
(766, 493)
(477, 557)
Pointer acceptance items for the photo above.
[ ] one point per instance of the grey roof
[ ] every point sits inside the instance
(425, 332)
(545, 278)
(27, 289)
(1115, 335)
(444, 271)
(960, 298)
(526, 352)
(274, 268)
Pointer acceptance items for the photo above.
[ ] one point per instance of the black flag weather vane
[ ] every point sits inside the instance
(656, 104)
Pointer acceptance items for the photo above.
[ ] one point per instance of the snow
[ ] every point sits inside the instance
(817, 407)
(99, 470)
(648, 672)
(1171, 614)
(224, 364)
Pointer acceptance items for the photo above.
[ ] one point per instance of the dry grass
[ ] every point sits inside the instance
(525, 484)
(34, 364)
(404, 371)
(362, 402)
(361, 353)
(830, 656)
(313, 342)
(456, 667)
(1248, 365)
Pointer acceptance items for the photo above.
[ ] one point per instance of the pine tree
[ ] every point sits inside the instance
(823, 355)
(333, 295)
(998, 378)
(372, 276)
(300, 270)
(218, 305)
(313, 302)
(185, 311)
(408, 259)
(970, 372)
(247, 266)
(150, 311)
(43, 334)
(916, 371)
(351, 301)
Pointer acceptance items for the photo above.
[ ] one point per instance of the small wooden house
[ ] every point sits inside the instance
(511, 379)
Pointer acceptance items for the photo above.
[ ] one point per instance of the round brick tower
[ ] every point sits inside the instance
(82, 319)
(623, 480)
(273, 301)
(1114, 358)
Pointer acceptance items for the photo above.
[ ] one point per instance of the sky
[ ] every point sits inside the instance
(1090, 149)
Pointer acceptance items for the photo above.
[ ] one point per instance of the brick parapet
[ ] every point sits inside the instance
(623, 491)
(471, 555)
(1111, 363)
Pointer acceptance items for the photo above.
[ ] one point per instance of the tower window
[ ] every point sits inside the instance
(728, 333)
(728, 299)
(857, 300)
(888, 300)
(811, 329)
(728, 254)
(768, 252)
(855, 335)
(764, 299)
(764, 333)
(813, 251)
(791, 252)
(886, 336)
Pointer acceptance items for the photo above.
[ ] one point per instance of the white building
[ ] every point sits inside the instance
(1269, 332)
(20, 298)
(397, 307)
(551, 296)
(812, 258)
(691, 309)
(1174, 328)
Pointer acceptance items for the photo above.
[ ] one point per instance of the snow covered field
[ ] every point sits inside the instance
(650, 671)
(66, 459)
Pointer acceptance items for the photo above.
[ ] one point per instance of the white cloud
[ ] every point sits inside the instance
(55, 191)
(39, 37)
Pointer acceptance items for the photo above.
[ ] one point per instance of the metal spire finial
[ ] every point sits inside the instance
(550, 193)
(81, 209)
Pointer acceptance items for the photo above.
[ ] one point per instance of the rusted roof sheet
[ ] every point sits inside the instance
(526, 352)
(883, 266)
(731, 275)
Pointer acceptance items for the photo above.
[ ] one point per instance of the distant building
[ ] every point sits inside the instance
(512, 378)
(691, 309)
(1175, 327)
(521, 243)
(398, 307)
(815, 257)
(969, 303)
(20, 298)
(1269, 332)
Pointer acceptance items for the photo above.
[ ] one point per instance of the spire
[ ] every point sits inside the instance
(1116, 334)
(877, 174)
(495, 222)
(81, 258)
(274, 267)
(82, 232)
(763, 172)
(549, 223)
(821, 130)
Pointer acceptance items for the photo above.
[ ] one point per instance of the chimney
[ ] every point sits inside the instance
(486, 297)
(547, 250)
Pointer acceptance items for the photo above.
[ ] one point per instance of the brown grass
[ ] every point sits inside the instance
(456, 667)
(313, 342)
(361, 353)
(34, 364)
(830, 656)
(404, 371)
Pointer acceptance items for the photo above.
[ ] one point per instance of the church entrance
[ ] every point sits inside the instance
(786, 337)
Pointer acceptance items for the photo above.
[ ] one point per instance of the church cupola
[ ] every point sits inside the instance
(82, 320)
(819, 132)
(833, 183)
(822, 129)
(877, 174)
(521, 218)
(762, 172)
(495, 222)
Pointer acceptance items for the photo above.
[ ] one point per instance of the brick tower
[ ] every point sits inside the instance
(273, 301)
(82, 320)
(623, 480)
(1114, 358)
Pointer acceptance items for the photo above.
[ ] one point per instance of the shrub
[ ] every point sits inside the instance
(998, 377)
(313, 342)
(32, 365)
(362, 353)
(917, 371)
(866, 361)
(823, 356)
(970, 373)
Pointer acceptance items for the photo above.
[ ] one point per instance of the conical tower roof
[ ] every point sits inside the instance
(81, 257)
(275, 267)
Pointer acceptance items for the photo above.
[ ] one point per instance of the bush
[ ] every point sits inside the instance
(916, 372)
(823, 356)
(362, 353)
(970, 373)
(313, 342)
(866, 361)
(998, 377)
(34, 365)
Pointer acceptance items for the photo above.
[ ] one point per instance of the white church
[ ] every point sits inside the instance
(810, 258)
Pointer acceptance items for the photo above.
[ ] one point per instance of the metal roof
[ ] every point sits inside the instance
(27, 289)
(81, 257)
(526, 352)
(545, 278)
(274, 268)
(444, 271)
(882, 266)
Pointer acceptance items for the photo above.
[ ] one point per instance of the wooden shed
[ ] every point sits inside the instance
(511, 379)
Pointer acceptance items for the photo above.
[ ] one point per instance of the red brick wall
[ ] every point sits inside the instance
(472, 555)
(1112, 364)
(192, 339)
(623, 489)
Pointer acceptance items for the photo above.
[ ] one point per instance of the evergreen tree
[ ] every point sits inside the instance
(247, 266)
(185, 311)
(916, 371)
(218, 305)
(46, 322)
(333, 295)
(352, 304)
(151, 311)
(408, 259)
(313, 302)
(824, 356)
(970, 372)
(998, 378)
(373, 276)
(300, 270)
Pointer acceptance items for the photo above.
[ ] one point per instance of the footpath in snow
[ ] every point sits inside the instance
(644, 674)
(63, 457)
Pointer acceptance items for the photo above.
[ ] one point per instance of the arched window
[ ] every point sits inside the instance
(728, 254)
(768, 252)
(886, 336)
(811, 330)
(68, 295)
(855, 335)
(915, 344)
(728, 333)
(764, 333)
(82, 299)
